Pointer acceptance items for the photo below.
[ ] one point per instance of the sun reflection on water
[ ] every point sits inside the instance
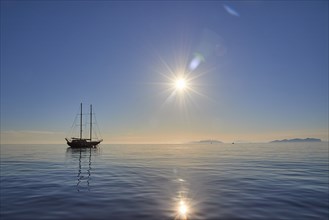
(182, 209)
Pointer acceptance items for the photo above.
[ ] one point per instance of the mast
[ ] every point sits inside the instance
(80, 120)
(91, 120)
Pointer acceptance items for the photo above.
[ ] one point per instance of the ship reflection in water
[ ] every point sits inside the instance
(82, 159)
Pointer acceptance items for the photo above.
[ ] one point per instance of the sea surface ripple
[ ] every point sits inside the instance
(192, 181)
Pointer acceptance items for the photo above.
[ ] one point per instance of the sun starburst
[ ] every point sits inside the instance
(182, 85)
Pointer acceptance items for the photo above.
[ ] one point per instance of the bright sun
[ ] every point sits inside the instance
(180, 84)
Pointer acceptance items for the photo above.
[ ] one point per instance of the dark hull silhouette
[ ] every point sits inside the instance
(82, 143)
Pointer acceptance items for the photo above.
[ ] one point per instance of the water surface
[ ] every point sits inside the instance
(218, 181)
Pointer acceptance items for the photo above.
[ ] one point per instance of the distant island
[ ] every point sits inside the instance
(297, 140)
(206, 142)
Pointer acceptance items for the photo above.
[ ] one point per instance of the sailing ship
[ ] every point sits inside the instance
(80, 142)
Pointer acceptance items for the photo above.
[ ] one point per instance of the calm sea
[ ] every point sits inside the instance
(218, 181)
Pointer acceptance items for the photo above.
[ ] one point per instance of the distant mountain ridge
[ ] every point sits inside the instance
(206, 142)
(297, 140)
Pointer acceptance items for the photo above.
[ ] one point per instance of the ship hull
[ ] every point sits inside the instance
(82, 143)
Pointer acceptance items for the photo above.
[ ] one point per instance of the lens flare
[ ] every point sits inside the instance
(196, 61)
(231, 10)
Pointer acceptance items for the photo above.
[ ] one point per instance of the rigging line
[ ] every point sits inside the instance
(100, 135)
(71, 130)
(95, 135)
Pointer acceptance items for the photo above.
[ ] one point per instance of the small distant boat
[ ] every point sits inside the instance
(80, 142)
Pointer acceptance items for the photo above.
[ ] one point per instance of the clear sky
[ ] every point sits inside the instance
(254, 70)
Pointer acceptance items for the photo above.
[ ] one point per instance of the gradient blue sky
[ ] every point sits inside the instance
(265, 74)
